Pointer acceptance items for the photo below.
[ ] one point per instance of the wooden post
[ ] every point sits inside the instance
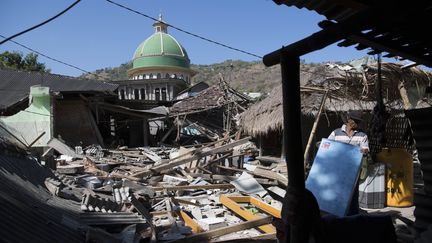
(404, 95)
(260, 153)
(145, 132)
(314, 127)
(290, 67)
(292, 138)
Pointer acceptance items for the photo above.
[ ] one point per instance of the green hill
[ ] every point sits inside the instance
(242, 76)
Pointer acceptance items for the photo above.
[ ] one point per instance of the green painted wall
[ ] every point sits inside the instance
(28, 124)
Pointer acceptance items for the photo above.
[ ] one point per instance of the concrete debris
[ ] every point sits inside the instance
(216, 191)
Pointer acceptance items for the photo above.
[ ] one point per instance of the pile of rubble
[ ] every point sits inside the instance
(216, 191)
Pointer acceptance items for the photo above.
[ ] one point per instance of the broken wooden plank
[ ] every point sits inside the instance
(269, 159)
(193, 187)
(70, 169)
(229, 178)
(177, 200)
(196, 228)
(271, 175)
(226, 230)
(202, 154)
(151, 155)
(196, 156)
(258, 203)
(145, 213)
(261, 173)
(231, 204)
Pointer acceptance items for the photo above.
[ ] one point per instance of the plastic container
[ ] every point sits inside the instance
(399, 176)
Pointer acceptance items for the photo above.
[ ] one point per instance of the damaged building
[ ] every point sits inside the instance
(210, 185)
(44, 106)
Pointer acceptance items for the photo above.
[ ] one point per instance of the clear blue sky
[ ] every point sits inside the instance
(96, 34)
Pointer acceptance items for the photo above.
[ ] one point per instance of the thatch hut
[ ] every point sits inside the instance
(348, 89)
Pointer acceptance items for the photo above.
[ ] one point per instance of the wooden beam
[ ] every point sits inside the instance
(212, 176)
(383, 46)
(226, 230)
(196, 156)
(261, 173)
(271, 175)
(196, 228)
(145, 213)
(193, 187)
(292, 137)
(229, 203)
(356, 23)
(258, 203)
(183, 201)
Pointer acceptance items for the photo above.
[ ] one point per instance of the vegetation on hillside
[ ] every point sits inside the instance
(241, 75)
(17, 61)
(110, 73)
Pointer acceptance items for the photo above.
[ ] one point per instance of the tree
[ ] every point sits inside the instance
(15, 60)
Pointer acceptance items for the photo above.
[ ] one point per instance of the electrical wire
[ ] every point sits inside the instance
(185, 31)
(56, 60)
(38, 25)
(51, 58)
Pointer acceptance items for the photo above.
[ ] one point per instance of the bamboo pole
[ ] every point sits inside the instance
(313, 131)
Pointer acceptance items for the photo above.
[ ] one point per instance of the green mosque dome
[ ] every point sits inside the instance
(160, 50)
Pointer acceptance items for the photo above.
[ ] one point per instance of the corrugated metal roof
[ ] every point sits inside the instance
(421, 126)
(15, 85)
(25, 214)
(382, 25)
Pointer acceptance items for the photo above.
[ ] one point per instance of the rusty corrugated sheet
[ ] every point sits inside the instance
(421, 125)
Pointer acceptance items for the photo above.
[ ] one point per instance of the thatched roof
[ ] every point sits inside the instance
(348, 90)
(360, 84)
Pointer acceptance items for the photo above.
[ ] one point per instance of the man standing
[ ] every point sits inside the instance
(350, 133)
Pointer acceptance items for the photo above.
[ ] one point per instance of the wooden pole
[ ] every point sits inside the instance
(313, 131)
(404, 95)
(292, 138)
